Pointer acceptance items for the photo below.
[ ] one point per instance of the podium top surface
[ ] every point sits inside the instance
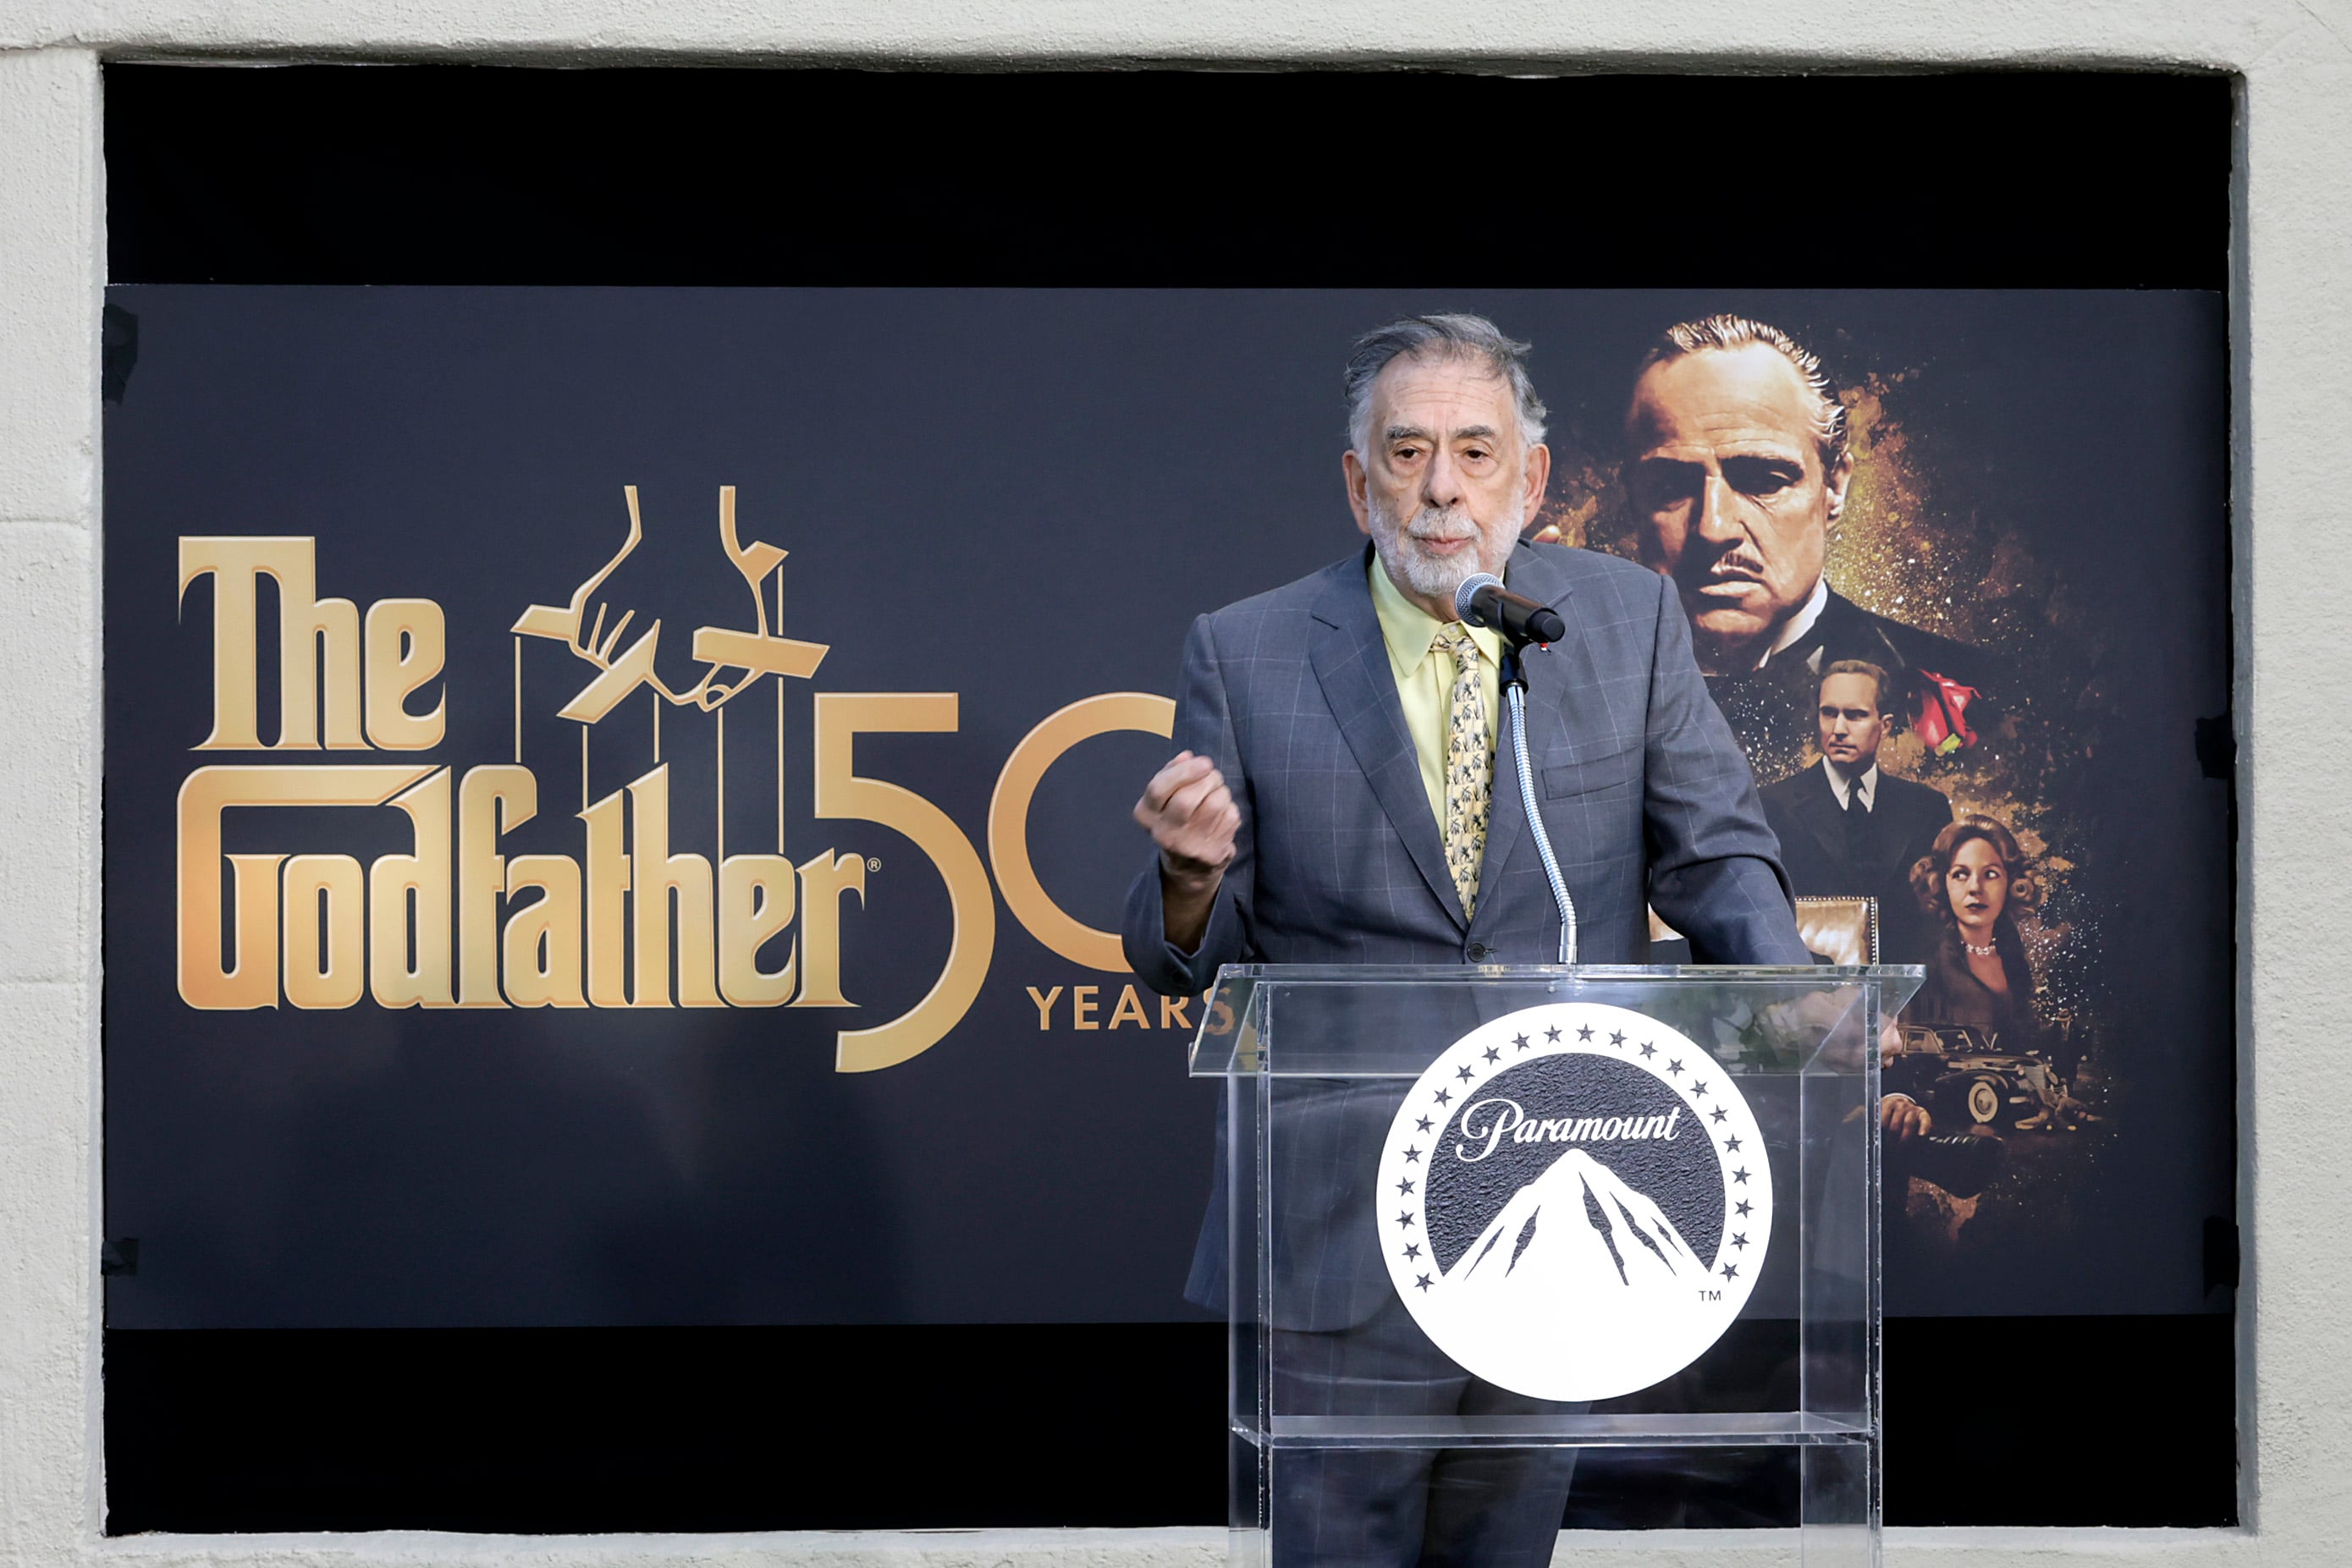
(1322, 1021)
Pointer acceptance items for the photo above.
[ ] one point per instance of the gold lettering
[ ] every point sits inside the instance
(1082, 1007)
(252, 980)
(1130, 1006)
(543, 937)
(407, 646)
(308, 629)
(755, 902)
(1044, 1006)
(659, 874)
(608, 899)
(1172, 1014)
(402, 972)
(1008, 819)
(333, 890)
(491, 800)
(971, 902)
(823, 880)
(257, 930)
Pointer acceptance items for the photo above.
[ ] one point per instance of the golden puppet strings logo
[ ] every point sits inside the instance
(452, 921)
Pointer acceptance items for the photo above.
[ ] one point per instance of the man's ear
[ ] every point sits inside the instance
(1835, 483)
(1536, 480)
(1359, 499)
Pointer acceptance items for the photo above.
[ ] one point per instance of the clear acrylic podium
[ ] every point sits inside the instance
(1394, 1132)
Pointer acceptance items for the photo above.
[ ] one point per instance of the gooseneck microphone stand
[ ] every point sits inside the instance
(1482, 600)
(1515, 698)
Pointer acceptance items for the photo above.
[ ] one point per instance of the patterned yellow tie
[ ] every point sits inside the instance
(1469, 765)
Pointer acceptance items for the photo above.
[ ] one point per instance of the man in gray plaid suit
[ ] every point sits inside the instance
(1321, 810)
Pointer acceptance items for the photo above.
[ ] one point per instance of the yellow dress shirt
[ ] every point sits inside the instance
(1425, 681)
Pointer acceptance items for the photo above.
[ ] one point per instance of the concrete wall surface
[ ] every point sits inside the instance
(2293, 318)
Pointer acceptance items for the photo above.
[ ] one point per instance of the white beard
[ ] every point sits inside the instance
(1418, 573)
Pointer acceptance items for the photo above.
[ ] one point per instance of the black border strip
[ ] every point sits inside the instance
(449, 174)
(946, 1426)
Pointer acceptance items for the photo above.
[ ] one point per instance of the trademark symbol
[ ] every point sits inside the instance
(1710, 1295)
(872, 863)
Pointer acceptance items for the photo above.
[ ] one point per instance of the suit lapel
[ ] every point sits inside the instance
(1818, 809)
(1847, 631)
(1554, 676)
(1353, 662)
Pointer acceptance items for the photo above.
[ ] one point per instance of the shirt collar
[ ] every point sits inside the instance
(1408, 629)
(1800, 623)
(1839, 783)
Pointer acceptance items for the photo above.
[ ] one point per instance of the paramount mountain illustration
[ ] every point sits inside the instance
(1574, 1230)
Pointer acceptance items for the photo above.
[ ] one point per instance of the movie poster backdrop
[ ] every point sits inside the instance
(671, 879)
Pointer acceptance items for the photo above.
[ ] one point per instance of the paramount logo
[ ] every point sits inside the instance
(1485, 1123)
(1563, 1255)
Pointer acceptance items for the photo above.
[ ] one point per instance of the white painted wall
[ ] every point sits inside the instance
(2293, 319)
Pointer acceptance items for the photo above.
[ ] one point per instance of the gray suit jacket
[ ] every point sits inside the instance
(1339, 859)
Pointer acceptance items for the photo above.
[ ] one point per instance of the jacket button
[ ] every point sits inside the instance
(1476, 952)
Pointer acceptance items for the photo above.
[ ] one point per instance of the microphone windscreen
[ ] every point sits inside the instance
(1464, 595)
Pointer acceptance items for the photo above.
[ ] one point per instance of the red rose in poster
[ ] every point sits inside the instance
(1941, 719)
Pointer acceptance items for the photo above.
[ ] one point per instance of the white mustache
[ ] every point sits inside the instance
(1443, 527)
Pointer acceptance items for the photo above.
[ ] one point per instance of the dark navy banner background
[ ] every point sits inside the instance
(1020, 498)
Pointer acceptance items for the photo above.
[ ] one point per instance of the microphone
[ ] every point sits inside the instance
(1482, 600)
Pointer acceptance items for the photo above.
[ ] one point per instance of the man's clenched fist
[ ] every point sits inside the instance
(1191, 819)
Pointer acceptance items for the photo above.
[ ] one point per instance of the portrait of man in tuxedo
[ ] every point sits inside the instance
(1847, 828)
(1737, 470)
(1338, 798)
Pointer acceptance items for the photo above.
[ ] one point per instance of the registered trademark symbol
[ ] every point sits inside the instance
(872, 863)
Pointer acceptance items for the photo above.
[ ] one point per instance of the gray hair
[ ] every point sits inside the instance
(1738, 332)
(1472, 338)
